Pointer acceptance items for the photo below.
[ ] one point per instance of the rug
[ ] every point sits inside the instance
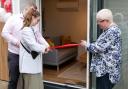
(75, 72)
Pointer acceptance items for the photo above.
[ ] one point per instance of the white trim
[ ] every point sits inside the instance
(62, 84)
(40, 10)
(88, 38)
(15, 6)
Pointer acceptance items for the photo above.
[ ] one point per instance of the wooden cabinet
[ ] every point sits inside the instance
(3, 57)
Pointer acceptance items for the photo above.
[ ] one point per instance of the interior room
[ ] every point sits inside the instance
(65, 22)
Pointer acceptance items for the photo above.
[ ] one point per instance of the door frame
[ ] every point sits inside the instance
(55, 85)
(100, 5)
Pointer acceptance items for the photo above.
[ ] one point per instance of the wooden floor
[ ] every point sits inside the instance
(50, 74)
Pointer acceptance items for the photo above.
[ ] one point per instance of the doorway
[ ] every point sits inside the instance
(65, 22)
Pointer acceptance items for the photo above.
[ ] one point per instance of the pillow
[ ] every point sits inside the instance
(50, 42)
(65, 39)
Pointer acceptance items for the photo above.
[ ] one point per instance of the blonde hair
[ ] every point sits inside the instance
(28, 17)
(105, 14)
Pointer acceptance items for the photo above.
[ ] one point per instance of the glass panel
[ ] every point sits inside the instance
(121, 18)
(94, 25)
(65, 23)
(93, 34)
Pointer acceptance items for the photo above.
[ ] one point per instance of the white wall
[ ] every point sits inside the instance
(23, 3)
(15, 6)
(18, 5)
(58, 22)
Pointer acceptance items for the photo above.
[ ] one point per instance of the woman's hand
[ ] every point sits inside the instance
(47, 50)
(83, 43)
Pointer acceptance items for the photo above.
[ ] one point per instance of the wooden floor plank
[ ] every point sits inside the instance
(50, 74)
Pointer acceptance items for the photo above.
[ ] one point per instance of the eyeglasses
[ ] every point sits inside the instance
(100, 21)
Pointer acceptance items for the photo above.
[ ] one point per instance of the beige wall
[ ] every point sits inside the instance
(58, 22)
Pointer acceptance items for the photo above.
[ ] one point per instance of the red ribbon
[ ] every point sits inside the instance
(64, 46)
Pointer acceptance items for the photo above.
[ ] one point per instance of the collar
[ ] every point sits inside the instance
(34, 30)
(21, 16)
(112, 24)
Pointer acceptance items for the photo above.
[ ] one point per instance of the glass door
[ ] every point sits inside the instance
(66, 67)
(93, 35)
(121, 18)
(95, 5)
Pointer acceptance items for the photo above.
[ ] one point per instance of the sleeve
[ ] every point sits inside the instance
(40, 38)
(29, 40)
(103, 42)
(7, 32)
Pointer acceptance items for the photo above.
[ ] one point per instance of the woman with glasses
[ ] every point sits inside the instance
(106, 51)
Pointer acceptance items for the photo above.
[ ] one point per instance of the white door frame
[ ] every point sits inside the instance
(88, 39)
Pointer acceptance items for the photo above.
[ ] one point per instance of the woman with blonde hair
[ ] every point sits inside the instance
(11, 34)
(31, 68)
(106, 51)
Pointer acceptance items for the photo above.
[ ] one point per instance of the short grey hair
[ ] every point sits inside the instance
(105, 14)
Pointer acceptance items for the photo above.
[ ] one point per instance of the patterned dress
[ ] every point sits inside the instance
(106, 54)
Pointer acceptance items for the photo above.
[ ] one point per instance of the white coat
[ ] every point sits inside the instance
(26, 63)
